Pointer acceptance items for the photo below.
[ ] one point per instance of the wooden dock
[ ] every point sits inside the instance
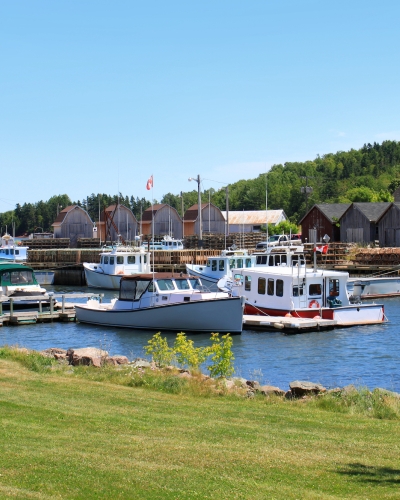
(286, 324)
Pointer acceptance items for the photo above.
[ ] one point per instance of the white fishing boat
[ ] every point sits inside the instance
(167, 244)
(375, 287)
(10, 251)
(293, 290)
(165, 301)
(115, 263)
(223, 266)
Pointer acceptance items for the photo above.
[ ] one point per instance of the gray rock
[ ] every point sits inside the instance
(140, 363)
(54, 352)
(269, 390)
(301, 388)
(86, 356)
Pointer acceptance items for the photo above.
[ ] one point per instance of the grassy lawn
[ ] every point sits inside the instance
(66, 435)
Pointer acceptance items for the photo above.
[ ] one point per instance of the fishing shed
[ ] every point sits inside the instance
(117, 220)
(389, 227)
(166, 221)
(73, 222)
(322, 219)
(213, 220)
(251, 221)
(359, 224)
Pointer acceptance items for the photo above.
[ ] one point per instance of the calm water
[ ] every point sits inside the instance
(367, 356)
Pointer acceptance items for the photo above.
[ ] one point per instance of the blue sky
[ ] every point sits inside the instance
(96, 96)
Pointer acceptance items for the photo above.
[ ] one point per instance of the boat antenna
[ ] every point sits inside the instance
(266, 203)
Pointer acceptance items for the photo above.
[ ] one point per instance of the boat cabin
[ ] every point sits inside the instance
(16, 275)
(10, 251)
(281, 256)
(123, 262)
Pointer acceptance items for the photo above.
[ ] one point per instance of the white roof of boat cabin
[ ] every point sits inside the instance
(255, 216)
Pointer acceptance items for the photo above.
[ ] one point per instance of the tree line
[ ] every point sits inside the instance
(369, 174)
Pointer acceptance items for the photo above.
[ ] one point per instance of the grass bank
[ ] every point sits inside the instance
(88, 433)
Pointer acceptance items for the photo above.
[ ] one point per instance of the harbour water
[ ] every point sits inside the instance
(365, 356)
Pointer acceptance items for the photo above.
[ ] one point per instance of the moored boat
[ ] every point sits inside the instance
(303, 293)
(115, 263)
(18, 281)
(167, 244)
(165, 301)
(10, 251)
(375, 287)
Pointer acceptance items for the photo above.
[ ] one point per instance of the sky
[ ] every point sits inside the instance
(97, 96)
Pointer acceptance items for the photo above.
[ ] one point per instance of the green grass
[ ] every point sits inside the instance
(88, 434)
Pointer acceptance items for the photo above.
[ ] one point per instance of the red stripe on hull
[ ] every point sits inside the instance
(298, 313)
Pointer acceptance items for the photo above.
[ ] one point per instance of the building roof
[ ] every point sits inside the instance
(332, 211)
(255, 217)
(373, 211)
(62, 215)
(112, 208)
(192, 213)
(147, 215)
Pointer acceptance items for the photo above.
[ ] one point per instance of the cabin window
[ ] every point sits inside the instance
(213, 265)
(182, 284)
(221, 265)
(238, 278)
(260, 260)
(277, 260)
(271, 260)
(232, 263)
(11, 251)
(133, 289)
(111, 261)
(314, 289)
(297, 290)
(239, 263)
(21, 277)
(165, 285)
(283, 260)
(106, 260)
(279, 288)
(261, 286)
(120, 259)
(208, 264)
(195, 283)
(302, 261)
(271, 286)
(333, 288)
(144, 259)
(295, 260)
(5, 278)
(7, 252)
(248, 263)
(247, 283)
(132, 259)
(16, 252)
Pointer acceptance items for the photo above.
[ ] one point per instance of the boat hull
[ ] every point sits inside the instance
(374, 288)
(101, 280)
(215, 315)
(352, 315)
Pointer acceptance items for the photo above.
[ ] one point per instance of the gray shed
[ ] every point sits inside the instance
(322, 219)
(213, 220)
(123, 223)
(73, 222)
(359, 224)
(166, 219)
(389, 227)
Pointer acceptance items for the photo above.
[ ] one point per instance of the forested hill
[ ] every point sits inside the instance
(371, 173)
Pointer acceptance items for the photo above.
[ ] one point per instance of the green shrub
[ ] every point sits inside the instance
(188, 355)
(159, 349)
(221, 356)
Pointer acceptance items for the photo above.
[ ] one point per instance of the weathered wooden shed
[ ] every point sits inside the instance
(389, 226)
(115, 220)
(73, 222)
(322, 219)
(213, 220)
(359, 224)
(167, 221)
(251, 221)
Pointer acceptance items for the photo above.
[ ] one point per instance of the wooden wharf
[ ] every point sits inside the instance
(64, 311)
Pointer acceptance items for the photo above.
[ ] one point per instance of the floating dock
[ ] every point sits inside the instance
(286, 324)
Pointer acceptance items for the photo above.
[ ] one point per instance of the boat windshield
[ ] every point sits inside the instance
(133, 290)
(165, 285)
(182, 284)
(24, 277)
(196, 283)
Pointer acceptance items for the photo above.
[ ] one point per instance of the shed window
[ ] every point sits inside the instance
(279, 288)
(261, 286)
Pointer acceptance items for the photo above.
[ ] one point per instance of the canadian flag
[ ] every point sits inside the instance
(323, 249)
(149, 184)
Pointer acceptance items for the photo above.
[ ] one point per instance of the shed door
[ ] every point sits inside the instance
(312, 236)
(355, 235)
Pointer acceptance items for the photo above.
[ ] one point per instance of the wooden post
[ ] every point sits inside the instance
(51, 306)
(63, 303)
(11, 307)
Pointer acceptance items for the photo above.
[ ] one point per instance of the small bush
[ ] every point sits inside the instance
(32, 360)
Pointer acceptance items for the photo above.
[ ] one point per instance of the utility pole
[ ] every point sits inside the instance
(306, 189)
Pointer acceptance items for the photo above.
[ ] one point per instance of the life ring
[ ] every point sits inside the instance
(314, 304)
